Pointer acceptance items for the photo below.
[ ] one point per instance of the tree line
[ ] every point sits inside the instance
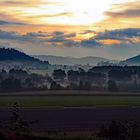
(101, 78)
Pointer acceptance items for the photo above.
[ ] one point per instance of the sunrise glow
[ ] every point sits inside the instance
(82, 23)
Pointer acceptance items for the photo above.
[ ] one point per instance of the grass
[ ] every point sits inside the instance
(71, 101)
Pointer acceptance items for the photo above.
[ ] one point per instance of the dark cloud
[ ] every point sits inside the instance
(71, 43)
(119, 34)
(10, 35)
(17, 37)
(66, 39)
(90, 43)
(122, 35)
(58, 33)
(43, 37)
(61, 37)
(56, 39)
(37, 34)
(2, 22)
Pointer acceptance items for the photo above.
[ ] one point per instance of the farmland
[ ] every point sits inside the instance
(70, 100)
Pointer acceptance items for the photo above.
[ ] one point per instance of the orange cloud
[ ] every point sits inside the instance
(109, 42)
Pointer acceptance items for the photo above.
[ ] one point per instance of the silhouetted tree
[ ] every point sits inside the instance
(55, 86)
(121, 131)
(81, 85)
(112, 86)
(59, 74)
(120, 74)
(28, 83)
(87, 85)
(73, 86)
(17, 123)
(10, 84)
(81, 70)
(73, 75)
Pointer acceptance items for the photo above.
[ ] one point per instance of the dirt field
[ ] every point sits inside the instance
(72, 119)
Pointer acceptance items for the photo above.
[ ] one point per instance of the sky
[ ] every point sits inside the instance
(76, 28)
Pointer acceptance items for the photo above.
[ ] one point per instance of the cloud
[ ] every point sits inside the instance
(67, 14)
(26, 3)
(106, 38)
(119, 34)
(130, 13)
(125, 10)
(2, 22)
(37, 34)
(90, 43)
(17, 37)
(64, 39)
(58, 33)
(113, 37)
(88, 31)
(8, 19)
(57, 42)
(70, 35)
(124, 15)
(11, 2)
(9, 35)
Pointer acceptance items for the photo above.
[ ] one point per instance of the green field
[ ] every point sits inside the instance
(71, 101)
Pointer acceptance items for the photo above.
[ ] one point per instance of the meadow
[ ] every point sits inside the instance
(38, 101)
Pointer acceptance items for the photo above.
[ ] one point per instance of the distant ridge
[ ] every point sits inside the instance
(58, 60)
(132, 61)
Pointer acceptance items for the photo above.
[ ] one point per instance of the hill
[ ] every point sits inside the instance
(14, 55)
(11, 58)
(132, 61)
(58, 60)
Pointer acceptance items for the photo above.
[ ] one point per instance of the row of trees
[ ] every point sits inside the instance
(112, 78)
(114, 73)
(106, 78)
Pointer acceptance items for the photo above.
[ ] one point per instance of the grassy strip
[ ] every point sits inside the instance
(71, 101)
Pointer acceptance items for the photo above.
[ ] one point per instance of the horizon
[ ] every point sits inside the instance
(72, 28)
(70, 56)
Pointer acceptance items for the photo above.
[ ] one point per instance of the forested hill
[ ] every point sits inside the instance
(9, 58)
(132, 61)
(15, 55)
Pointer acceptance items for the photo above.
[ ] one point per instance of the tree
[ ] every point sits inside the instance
(87, 85)
(59, 74)
(120, 74)
(122, 130)
(11, 84)
(17, 123)
(55, 86)
(73, 86)
(112, 86)
(73, 75)
(81, 85)
(81, 70)
(28, 83)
